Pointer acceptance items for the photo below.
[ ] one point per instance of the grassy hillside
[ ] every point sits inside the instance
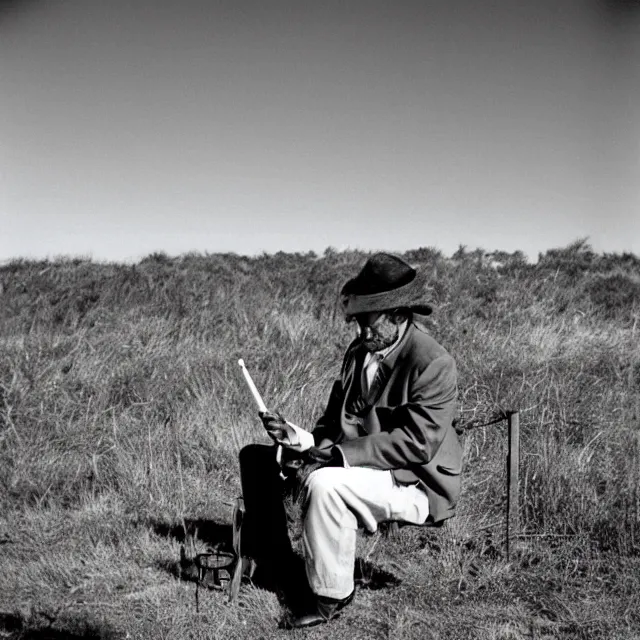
(122, 410)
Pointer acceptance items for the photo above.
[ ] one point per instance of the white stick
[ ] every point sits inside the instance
(252, 387)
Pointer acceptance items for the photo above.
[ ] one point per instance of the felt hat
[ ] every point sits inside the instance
(385, 282)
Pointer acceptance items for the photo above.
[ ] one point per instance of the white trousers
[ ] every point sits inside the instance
(338, 501)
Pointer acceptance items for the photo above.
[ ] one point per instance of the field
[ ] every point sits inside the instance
(122, 410)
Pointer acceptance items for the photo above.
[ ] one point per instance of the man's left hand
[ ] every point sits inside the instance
(326, 456)
(316, 458)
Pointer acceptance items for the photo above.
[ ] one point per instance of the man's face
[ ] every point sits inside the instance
(377, 331)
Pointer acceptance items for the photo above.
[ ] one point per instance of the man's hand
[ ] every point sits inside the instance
(276, 427)
(327, 456)
(316, 458)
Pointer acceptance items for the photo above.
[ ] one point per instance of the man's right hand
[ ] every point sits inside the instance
(276, 426)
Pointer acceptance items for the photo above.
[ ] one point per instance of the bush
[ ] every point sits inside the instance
(615, 296)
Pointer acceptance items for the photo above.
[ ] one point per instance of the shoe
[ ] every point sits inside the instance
(325, 609)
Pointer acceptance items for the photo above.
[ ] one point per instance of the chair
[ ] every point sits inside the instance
(244, 566)
(392, 527)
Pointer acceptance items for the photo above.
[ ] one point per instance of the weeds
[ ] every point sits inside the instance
(122, 412)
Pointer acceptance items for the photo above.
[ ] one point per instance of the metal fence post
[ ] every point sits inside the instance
(513, 479)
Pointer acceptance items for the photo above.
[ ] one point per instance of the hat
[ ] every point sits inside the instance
(385, 282)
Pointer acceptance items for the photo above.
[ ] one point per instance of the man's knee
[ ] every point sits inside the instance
(258, 467)
(253, 455)
(325, 498)
(325, 481)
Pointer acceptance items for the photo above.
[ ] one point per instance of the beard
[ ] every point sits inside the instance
(381, 337)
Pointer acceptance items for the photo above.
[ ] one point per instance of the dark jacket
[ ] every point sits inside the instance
(405, 422)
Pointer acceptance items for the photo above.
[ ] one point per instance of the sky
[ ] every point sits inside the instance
(134, 126)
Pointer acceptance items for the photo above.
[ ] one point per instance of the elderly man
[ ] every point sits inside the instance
(384, 450)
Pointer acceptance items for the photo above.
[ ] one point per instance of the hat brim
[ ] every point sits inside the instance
(410, 296)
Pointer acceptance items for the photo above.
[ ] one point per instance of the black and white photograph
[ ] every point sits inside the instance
(320, 319)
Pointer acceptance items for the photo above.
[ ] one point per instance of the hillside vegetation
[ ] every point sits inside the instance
(122, 410)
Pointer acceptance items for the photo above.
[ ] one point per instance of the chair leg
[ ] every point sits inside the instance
(238, 517)
(241, 563)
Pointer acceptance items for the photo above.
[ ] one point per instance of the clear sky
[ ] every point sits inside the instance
(133, 126)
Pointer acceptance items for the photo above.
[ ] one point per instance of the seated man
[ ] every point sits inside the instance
(385, 448)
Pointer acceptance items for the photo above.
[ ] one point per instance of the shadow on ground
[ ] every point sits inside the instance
(193, 533)
(370, 576)
(288, 582)
(210, 532)
(15, 627)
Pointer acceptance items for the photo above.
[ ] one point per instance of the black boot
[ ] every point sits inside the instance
(325, 609)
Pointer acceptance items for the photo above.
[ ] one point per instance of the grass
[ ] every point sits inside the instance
(122, 411)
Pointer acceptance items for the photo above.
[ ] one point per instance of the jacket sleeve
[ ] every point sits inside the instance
(412, 432)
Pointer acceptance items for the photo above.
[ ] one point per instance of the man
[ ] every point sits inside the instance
(385, 448)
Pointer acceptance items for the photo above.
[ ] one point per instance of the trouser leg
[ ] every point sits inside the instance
(339, 500)
(264, 530)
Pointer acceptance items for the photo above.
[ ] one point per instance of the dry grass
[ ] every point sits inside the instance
(122, 412)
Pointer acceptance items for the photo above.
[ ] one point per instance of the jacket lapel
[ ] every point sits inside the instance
(354, 404)
(386, 367)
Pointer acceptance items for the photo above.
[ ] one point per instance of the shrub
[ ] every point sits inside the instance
(615, 296)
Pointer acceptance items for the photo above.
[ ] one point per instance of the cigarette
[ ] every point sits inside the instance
(262, 407)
